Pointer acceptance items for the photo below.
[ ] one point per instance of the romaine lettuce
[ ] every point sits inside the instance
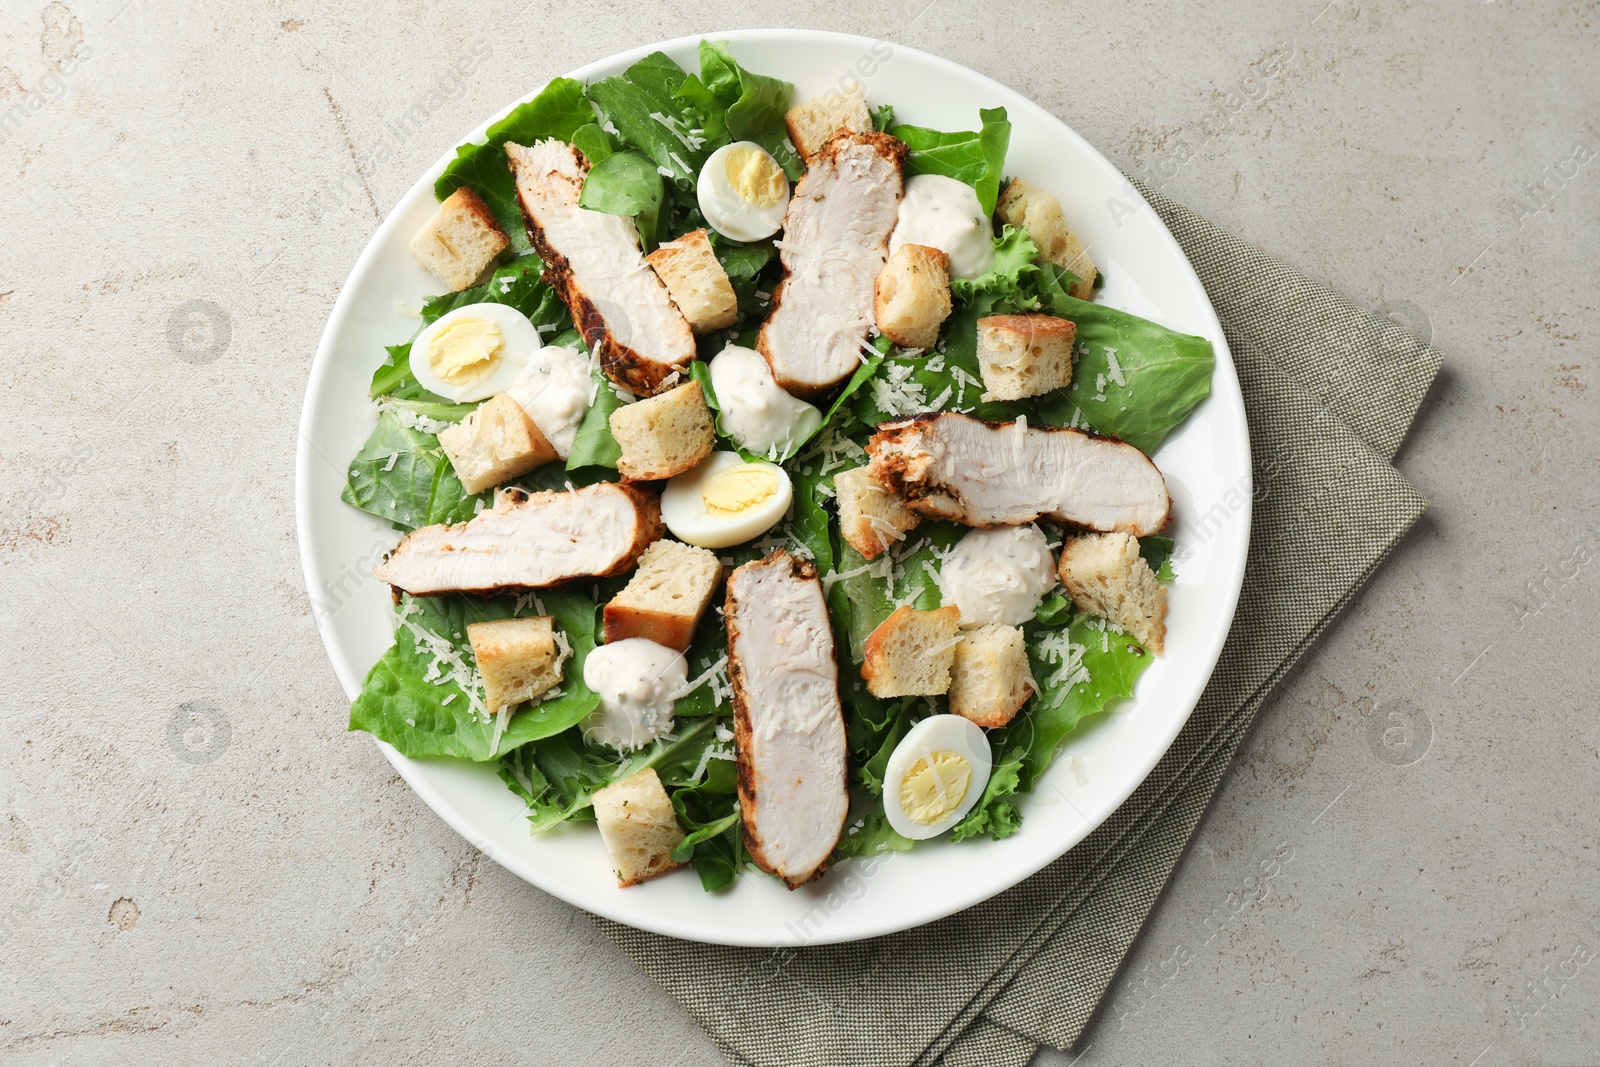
(416, 696)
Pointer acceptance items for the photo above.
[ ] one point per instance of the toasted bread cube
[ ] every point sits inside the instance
(991, 679)
(494, 444)
(1024, 355)
(1105, 576)
(665, 435)
(1028, 207)
(911, 652)
(911, 298)
(518, 659)
(871, 518)
(695, 280)
(639, 827)
(813, 122)
(460, 240)
(666, 596)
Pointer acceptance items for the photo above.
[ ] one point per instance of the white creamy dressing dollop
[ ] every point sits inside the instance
(638, 682)
(555, 389)
(756, 411)
(942, 213)
(998, 575)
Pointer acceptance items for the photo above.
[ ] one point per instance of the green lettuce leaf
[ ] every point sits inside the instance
(558, 775)
(594, 446)
(419, 717)
(626, 183)
(559, 110)
(1133, 379)
(594, 142)
(1157, 552)
(756, 104)
(402, 476)
(650, 114)
(1005, 282)
(974, 157)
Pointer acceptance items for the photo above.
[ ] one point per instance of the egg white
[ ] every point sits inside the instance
(519, 337)
(936, 733)
(683, 506)
(726, 210)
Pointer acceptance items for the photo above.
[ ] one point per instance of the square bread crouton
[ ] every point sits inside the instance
(695, 280)
(871, 518)
(518, 659)
(990, 679)
(494, 444)
(911, 652)
(638, 826)
(813, 122)
(1024, 355)
(1105, 576)
(664, 435)
(911, 297)
(666, 596)
(460, 241)
(1030, 208)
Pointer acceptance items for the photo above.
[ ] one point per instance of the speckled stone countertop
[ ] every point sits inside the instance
(201, 866)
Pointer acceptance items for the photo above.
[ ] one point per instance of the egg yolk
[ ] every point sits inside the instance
(737, 489)
(935, 786)
(755, 176)
(465, 350)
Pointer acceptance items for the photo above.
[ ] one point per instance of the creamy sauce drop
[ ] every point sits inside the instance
(756, 412)
(942, 213)
(638, 682)
(998, 575)
(555, 389)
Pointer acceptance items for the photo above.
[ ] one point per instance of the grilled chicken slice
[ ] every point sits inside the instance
(949, 466)
(788, 722)
(529, 541)
(594, 262)
(835, 241)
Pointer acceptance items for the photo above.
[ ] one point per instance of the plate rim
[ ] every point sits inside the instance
(413, 770)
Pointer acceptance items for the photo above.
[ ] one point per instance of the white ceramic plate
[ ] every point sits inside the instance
(1207, 465)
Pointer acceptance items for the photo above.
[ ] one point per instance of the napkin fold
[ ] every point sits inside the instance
(1330, 391)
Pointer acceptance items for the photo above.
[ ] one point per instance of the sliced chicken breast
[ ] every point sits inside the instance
(788, 721)
(593, 260)
(529, 541)
(835, 241)
(1002, 474)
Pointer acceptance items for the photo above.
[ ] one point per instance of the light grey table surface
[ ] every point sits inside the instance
(269, 891)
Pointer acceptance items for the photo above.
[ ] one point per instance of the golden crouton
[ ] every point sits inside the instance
(518, 659)
(695, 280)
(666, 596)
(911, 297)
(910, 653)
(990, 679)
(1024, 355)
(494, 444)
(813, 122)
(665, 435)
(1030, 208)
(871, 518)
(460, 240)
(639, 827)
(1105, 576)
